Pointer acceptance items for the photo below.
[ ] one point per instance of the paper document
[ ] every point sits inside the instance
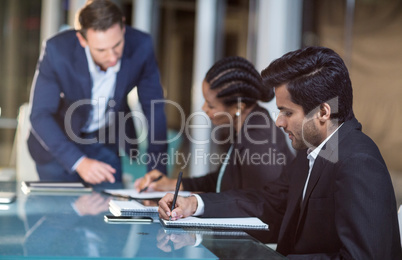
(134, 194)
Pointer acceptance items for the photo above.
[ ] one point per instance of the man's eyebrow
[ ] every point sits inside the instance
(117, 44)
(114, 46)
(282, 108)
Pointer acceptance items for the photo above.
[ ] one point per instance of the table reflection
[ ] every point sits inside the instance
(217, 241)
(168, 242)
(70, 226)
(91, 204)
(51, 226)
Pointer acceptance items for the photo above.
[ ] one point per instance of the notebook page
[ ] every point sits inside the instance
(232, 223)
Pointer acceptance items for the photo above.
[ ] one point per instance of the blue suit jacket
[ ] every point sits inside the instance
(62, 90)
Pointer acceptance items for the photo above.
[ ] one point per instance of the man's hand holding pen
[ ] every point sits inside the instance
(185, 206)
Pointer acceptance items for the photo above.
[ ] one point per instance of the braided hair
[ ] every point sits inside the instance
(237, 80)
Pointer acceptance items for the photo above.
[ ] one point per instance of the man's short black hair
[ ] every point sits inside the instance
(313, 76)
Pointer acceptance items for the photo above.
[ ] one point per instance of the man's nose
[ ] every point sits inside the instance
(280, 122)
(112, 55)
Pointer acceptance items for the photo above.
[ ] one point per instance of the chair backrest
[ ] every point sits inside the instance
(25, 165)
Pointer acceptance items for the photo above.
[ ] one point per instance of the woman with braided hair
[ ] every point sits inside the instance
(258, 151)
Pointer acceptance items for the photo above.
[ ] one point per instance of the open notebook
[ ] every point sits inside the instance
(250, 223)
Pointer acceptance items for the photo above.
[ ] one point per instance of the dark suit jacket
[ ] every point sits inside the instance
(250, 165)
(349, 210)
(62, 79)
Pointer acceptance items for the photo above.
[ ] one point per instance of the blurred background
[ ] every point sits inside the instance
(190, 35)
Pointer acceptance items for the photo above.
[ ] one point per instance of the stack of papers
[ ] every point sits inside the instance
(130, 208)
(133, 207)
(44, 186)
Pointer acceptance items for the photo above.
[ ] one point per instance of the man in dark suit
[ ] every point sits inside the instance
(81, 121)
(336, 200)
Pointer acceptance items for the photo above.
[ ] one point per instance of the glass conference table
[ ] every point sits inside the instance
(72, 226)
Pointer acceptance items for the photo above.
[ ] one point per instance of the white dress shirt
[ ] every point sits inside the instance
(103, 88)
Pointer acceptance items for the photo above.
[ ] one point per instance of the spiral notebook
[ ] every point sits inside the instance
(250, 223)
(130, 208)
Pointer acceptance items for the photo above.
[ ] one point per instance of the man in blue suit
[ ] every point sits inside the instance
(81, 121)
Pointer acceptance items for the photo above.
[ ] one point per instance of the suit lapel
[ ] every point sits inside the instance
(121, 81)
(82, 71)
(318, 168)
(298, 179)
(299, 172)
(122, 77)
(299, 188)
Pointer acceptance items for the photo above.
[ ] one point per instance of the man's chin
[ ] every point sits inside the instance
(298, 145)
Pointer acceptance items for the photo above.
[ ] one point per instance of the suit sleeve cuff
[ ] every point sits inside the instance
(77, 163)
(200, 207)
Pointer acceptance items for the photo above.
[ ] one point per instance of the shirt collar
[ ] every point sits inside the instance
(312, 154)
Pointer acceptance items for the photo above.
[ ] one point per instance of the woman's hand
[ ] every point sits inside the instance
(185, 206)
(163, 184)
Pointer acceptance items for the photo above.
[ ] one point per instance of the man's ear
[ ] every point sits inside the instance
(324, 113)
(81, 39)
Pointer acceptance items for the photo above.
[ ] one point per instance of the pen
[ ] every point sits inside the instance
(155, 180)
(175, 194)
